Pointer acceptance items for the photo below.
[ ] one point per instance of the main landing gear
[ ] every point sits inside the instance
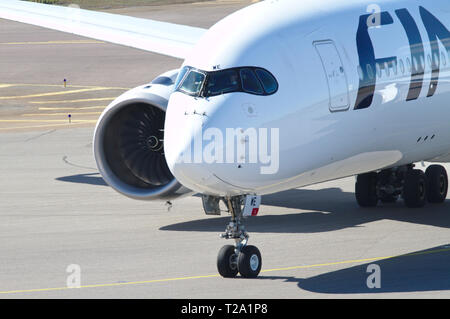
(413, 185)
(240, 258)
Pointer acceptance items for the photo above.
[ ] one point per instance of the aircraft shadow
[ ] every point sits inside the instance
(331, 209)
(325, 210)
(91, 179)
(421, 271)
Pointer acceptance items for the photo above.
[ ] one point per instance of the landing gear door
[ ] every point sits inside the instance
(335, 75)
(251, 205)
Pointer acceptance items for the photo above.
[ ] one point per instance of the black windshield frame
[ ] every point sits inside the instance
(239, 88)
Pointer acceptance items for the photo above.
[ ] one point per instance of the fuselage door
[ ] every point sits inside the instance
(335, 74)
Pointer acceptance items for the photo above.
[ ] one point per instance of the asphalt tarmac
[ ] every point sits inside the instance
(58, 218)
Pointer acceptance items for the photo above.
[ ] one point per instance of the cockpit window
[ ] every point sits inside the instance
(250, 80)
(267, 80)
(193, 82)
(250, 83)
(181, 75)
(222, 82)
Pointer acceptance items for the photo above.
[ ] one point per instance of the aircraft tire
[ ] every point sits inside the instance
(437, 183)
(366, 190)
(249, 262)
(415, 189)
(226, 262)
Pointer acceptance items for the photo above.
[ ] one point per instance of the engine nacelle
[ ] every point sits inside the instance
(128, 143)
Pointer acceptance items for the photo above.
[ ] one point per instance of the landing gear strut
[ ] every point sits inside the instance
(241, 258)
(413, 185)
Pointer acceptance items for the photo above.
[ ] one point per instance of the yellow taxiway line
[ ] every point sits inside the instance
(44, 121)
(70, 108)
(59, 114)
(118, 284)
(6, 85)
(54, 42)
(37, 126)
(52, 93)
(74, 101)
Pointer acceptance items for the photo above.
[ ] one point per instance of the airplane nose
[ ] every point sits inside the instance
(207, 156)
(183, 146)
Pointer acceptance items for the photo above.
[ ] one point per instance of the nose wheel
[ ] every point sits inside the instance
(249, 262)
(241, 258)
(227, 262)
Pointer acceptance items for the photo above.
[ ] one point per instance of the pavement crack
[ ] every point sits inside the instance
(39, 135)
(65, 160)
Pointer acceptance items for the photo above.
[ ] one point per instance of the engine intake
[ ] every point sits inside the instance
(129, 143)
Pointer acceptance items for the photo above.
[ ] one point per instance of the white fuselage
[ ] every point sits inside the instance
(319, 128)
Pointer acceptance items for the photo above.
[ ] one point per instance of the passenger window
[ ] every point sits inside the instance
(395, 67)
(370, 71)
(402, 67)
(250, 83)
(387, 67)
(436, 58)
(360, 73)
(415, 64)
(378, 70)
(268, 81)
(444, 59)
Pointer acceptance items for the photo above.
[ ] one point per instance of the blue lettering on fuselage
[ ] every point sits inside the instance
(417, 53)
(436, 30)
(369, 63)
(367, 60)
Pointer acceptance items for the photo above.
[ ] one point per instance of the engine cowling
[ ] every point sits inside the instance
(129, 143)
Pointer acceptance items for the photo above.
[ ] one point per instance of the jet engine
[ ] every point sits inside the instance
(129, 143)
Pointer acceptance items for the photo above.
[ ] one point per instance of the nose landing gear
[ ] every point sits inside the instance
(241, 258)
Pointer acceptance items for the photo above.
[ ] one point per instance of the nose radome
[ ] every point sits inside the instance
(194, 157)
(182, 133)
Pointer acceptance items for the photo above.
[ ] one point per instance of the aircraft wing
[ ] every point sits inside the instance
(160, 37)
